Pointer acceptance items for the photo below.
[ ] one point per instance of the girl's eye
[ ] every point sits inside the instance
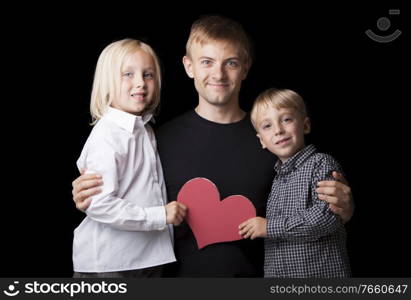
(148, 75)
(128, 74)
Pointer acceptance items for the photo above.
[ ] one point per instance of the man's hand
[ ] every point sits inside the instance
(338, 195)
(84, 187)
(175, 213)
(253, 228)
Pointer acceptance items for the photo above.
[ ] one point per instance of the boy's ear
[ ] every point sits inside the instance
(188, 66)
(307, 125)
(261, 141)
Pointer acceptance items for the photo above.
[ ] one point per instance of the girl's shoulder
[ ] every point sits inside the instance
(106, 135)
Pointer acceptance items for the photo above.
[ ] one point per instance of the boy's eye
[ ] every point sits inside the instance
(205, 62)
(266, 126)
(128, 74)
(287, 119)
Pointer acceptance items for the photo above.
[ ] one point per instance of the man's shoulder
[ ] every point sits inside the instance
(181, 120)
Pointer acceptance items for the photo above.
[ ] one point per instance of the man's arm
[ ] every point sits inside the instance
(85, 186)
(338, 195)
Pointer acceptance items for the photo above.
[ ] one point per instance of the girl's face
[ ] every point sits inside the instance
(138, 83)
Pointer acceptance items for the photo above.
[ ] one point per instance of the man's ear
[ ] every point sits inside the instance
(247, 66)
(188, 66)
(261, 141)
(307, 125)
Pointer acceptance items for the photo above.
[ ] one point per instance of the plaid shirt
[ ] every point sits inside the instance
(305, 239)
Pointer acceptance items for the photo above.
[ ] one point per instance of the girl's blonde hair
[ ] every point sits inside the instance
(278, 98)
(107, 78)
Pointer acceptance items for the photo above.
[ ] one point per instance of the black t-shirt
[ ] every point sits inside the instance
(231, 156)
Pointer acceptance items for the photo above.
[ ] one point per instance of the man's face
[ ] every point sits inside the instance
(218, 70)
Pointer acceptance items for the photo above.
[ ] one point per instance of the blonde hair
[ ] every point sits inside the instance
(278, 98)
(107, 77)
(218, 28)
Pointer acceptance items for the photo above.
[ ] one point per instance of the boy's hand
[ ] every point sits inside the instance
(338, 195)
(175, 213)
(84, 187)
(253, 228)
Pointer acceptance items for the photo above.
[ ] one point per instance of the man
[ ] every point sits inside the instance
(218, 142)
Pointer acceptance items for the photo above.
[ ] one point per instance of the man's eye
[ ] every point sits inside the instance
(205, 62)
(232, 63)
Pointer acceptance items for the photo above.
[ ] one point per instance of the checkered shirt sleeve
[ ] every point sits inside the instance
(315, 219)
(304, 237)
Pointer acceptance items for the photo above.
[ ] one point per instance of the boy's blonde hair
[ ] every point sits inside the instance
(218, 28)
(107, 78)
(278, 98)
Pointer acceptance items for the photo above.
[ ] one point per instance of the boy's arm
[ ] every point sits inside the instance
(106, 207)
(314, 222)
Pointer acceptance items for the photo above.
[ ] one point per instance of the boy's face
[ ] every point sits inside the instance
(137, 83)
(218, 71)
(282, 130)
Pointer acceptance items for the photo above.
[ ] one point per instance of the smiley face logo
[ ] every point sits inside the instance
(11, 291)
(384, 24)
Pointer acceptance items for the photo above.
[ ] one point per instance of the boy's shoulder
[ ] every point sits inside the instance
(325, 162)
(322, 157)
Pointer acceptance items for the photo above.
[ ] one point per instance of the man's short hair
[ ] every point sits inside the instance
(218, 28)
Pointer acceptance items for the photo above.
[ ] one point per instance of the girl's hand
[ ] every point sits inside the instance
(175, 213)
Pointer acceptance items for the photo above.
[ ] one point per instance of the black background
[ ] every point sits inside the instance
(355, 90)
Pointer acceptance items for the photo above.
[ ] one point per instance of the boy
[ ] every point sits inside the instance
(303, 237)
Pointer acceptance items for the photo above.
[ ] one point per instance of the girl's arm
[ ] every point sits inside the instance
(106, 207)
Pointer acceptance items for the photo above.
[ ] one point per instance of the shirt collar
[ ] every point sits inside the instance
(294, 161)
(126, 120)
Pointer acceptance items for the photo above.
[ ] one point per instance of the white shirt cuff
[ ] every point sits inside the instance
(156, 217)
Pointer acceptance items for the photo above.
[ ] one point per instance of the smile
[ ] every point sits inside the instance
(138, 96)
(283, 141)
(218, 85)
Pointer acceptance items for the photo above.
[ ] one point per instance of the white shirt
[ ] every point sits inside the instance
(125, 227)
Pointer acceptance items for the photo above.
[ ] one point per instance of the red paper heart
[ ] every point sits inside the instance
(211, 220)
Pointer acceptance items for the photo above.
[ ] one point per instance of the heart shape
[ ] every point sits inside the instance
(211, 220)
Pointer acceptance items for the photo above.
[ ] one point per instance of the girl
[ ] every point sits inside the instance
(125, 233)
